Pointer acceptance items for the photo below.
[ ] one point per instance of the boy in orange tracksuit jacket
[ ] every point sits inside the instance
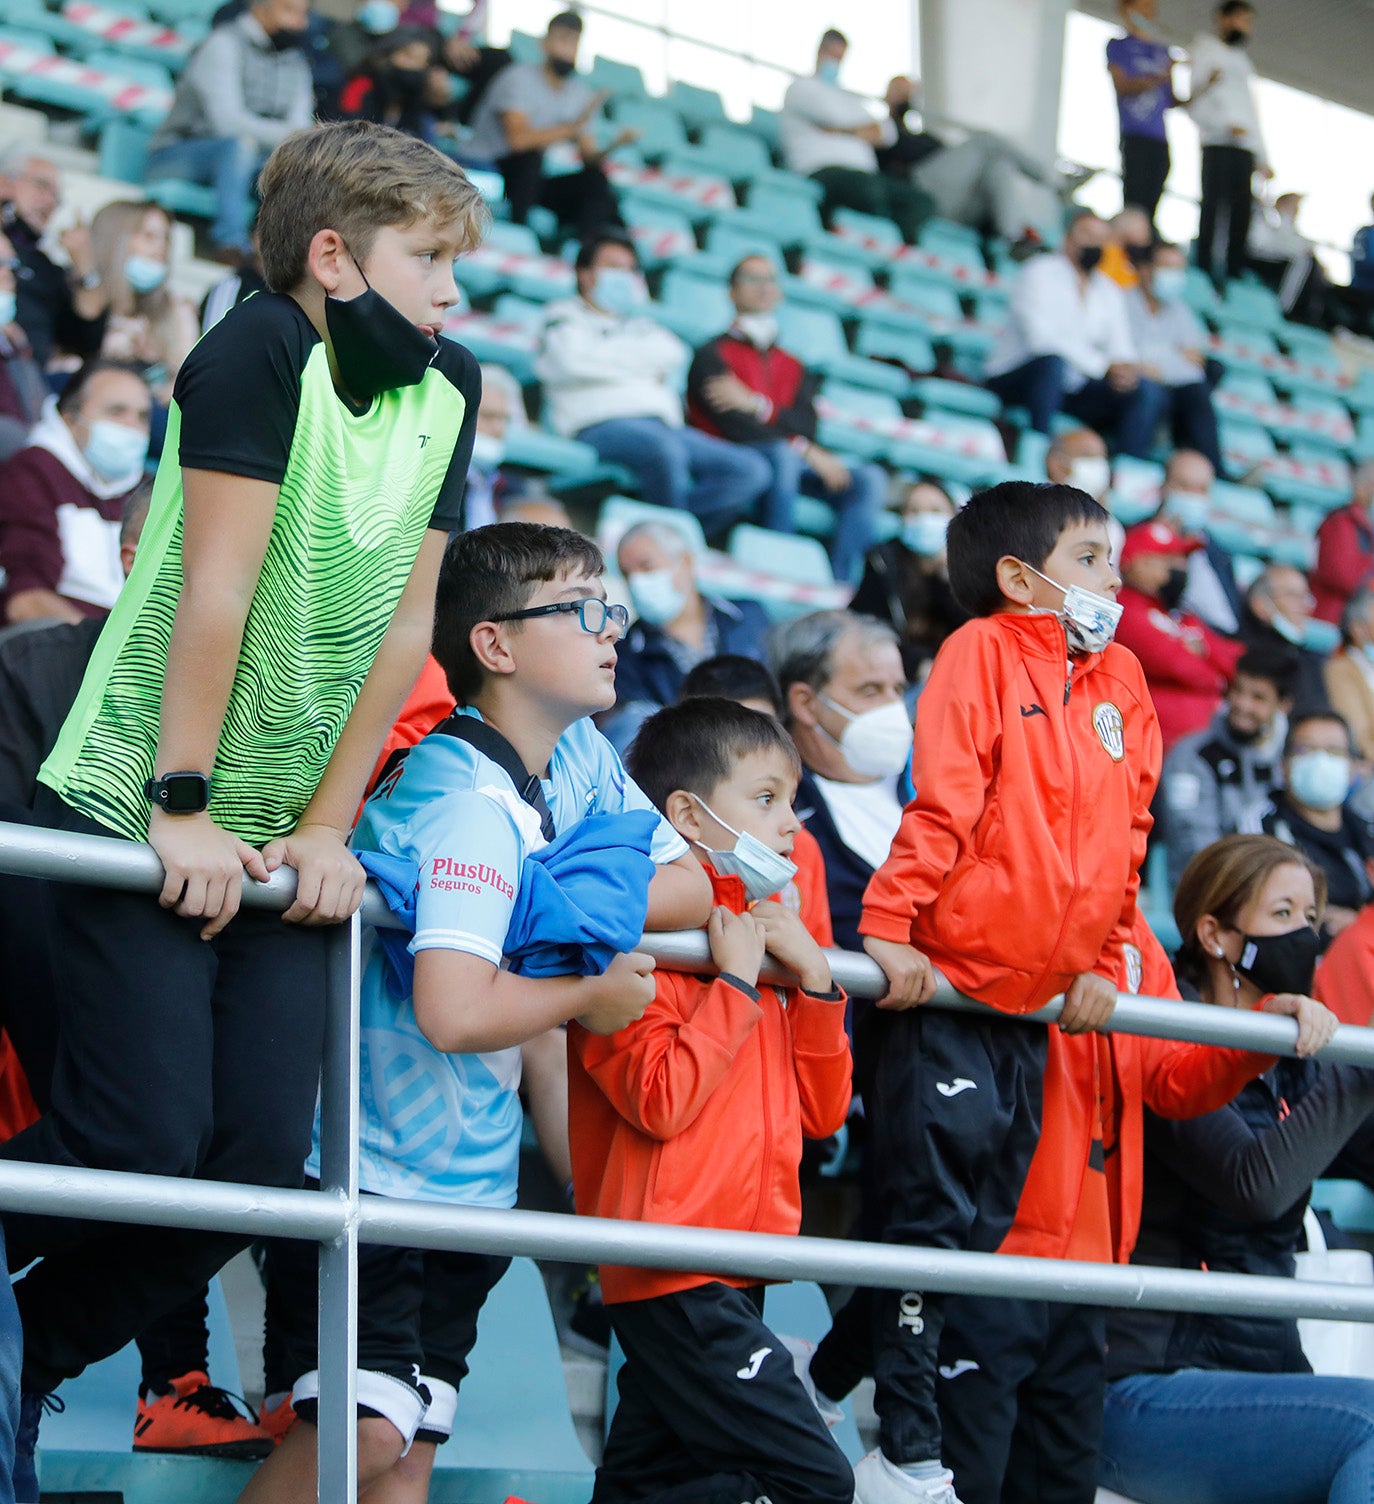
(695, 1116)
(1014, 873)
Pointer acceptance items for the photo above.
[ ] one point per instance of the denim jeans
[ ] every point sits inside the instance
(856, 507)
(11, 1353)
(1041, 385)
(1203, 1437)
(227, 164)
(716, 481)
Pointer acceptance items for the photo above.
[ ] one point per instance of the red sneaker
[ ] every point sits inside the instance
(194, 1416)
(279, 1420)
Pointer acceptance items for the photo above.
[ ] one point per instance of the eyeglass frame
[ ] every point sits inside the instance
(616, 613)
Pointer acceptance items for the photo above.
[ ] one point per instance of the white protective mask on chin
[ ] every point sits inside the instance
(1091, 473)
(1090, 620)
(762, 870)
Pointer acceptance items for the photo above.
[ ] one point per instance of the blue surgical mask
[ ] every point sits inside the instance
(924, 533)
(828, 70)
(619, 290)
(487, 451)
(1090, 620)
(1169, 283)
(1367, 648)
(656, 599)
(1188, 509)
(8, 303)
(378, 17)
(144, 274)
(1320, 636)
(1286, 629)
(1320, 780)
(762, 870)
(114, 451)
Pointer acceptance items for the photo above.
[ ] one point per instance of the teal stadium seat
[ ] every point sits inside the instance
(767, 126)
(622, 79)
(786, 556)
(728, 243)
(661, 235)
(1250, 305)
(658, 123)
(1135, 491)
(816, 338)
(619, 514)
(738, 154)
(840, 287)
(788, 217)
(698, 107)
(937, 395)
(695, 308)
(856, 420)
(508, 335)
(525, 48)
(1350, 1204)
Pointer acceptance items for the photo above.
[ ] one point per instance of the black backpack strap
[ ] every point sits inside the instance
(491, 744)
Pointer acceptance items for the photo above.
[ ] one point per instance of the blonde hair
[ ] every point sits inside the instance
(112, 229)
(355, 178)
(1221, 879)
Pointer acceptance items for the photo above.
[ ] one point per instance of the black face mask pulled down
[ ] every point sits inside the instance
(406, 84)
(561, 67)
(287, 41)
(1281, 963)
(376, 348)
(1235, 37)
(1171, 591)
(1088, 257)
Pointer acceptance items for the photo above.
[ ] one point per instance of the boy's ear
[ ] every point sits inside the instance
(328, 259)
(490, 648)
(1015, 581)
(684, 814)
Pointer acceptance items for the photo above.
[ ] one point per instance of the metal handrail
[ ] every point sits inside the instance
(339, 1217)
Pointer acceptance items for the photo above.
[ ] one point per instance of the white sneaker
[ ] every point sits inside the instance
(830, 1411)
(878, 1481)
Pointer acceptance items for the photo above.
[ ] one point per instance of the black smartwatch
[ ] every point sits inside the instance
(179, 793)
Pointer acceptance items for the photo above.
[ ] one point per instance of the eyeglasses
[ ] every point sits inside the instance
(591, 611)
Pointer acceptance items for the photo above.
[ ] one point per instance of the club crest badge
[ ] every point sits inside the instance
(1111, 729)
(1135, 969)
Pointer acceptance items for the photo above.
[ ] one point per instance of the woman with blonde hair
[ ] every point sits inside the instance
(148, 324)
(1225, 1408)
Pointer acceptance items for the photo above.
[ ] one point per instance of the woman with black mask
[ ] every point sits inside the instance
(1216, 1407)
(393, 85)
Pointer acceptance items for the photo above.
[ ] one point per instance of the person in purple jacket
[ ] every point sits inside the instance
(1143, 77)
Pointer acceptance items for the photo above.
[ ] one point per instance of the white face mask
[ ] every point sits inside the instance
(875, 743)
(655, 597)
(114, 451)
(760, 329)
(1188, 509)
(1091, 473)
(487, 451)
(924, 533)
(7, 307)
(1089, 619)
(762, 870)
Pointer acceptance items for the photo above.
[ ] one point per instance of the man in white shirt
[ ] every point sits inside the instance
(1223, 109)
(1283, 258)
(830, 135)
(611, 379)
(1170, 342)
(1067, 346)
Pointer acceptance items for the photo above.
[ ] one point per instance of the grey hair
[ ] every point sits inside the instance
(672, 540)
(802, 651)
(1355, 610)
(15, 157)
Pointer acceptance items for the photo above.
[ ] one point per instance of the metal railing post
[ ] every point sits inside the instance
(337, 1433)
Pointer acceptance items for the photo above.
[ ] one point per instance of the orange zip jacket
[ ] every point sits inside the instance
(694, 1116)
(1016, 865)
(1172, 1079)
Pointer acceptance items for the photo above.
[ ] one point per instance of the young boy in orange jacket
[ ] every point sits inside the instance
(1014, 872)
(694, 1116)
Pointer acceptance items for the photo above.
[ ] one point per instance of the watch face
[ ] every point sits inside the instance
(185, 794)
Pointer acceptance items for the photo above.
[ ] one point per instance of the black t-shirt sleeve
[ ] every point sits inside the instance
(239, 390)
(460, 366)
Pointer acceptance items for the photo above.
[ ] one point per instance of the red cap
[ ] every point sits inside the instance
(1156, 538)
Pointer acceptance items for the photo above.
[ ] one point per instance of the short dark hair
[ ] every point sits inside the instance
(565, 20)
(1318, 713)
(829, 37)
(1020, 518)
(135, 513)
(1235, 7)
(490, 572)
(71, 396)
(732, 676)
(1276, 666)
(586, 252)
(696, 743)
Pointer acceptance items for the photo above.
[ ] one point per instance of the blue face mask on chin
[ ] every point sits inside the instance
(828, 70)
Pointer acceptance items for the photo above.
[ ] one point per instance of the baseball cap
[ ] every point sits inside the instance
(1157, 538)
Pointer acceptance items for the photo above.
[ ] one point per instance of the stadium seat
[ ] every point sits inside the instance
(799, 1309)
(621, 79)
(675, 184)
(789, 217)
(881, 340)
(1349, 1202)
(738, 154)
(695, 308)
(816, 338)
(660, 234)
(530, 448)
(1136, 485)
(856, 420)
(658, 123)
(1308, 473)
(841, 287)
(1250, 305)
(951, 446)
(1200, 295)
(786, 556)
(124, 157)
(767, 125)
(525, 48)
(875, 239)
(508, 335)
(619, 514)
(728, 243)
(937, 395)
(697, 106)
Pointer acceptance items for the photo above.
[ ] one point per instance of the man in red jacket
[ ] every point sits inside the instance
(744, 388)
(1187, 665)
(1345, 549)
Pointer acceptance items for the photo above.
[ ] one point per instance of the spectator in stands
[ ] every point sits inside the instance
(608, 371)
(830, 135)
(906, 580)
(1171, 342)
(676, 627)
(391, 87)
(1067, 345)
(1349, 674)
(1345, 973)
(1078, 457)
(1185, 499)
(1345, 548)
(1227, 1193)
(244, 89)
(1223, 109)
(1310, 811)
(1187, 665)
(1354, 305)
(62, 497)
(844, 692)
(743, 386)
(241, 282)
(1142, 73)
(488, 487)
(22, 387)
(529, 107)
(60, 310)
(149, 326)
(1214, 778)
(983, 180)
(469, 61)
(1130, 238)
(1283, 258)
(1278, 609)
(534, 504)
